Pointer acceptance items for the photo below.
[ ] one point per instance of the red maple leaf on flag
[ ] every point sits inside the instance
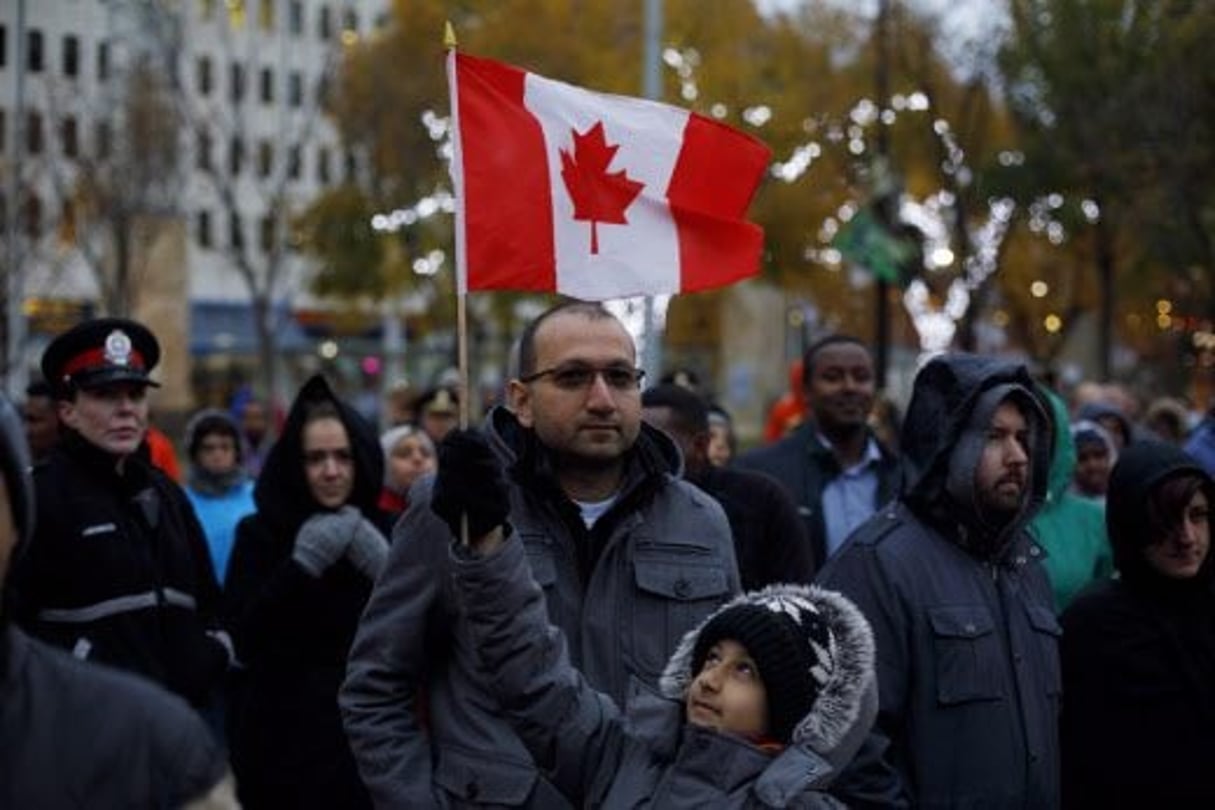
(598, 196)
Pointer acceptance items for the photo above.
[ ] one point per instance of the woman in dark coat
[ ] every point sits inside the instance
(1139, 652)
(301, 570)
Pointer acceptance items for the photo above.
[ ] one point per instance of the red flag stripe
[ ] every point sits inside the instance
(516, 251)
(714, 181)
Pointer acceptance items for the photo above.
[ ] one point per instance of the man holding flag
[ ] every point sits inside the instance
(629, 555)
(562, 190)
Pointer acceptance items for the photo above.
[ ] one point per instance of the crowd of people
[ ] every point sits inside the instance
(1000, 597)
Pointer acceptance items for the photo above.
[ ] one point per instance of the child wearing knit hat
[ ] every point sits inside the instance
(761, 705)
(757, 666)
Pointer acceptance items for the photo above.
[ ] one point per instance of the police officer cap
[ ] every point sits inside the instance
(100, 352)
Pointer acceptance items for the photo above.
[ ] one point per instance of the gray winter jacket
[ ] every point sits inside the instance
(968, 666)
(653, 758)
(76, 734)
(659, 561)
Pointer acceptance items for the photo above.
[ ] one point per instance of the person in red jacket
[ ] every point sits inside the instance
(162, 454)
(790, 410)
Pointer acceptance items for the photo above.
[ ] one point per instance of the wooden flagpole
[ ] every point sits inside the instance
(449, 43)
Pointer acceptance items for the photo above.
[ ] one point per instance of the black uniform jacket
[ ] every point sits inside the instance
(118, 571)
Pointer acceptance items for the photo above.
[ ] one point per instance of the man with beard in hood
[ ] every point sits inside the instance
(630, 558)
(949, 578)
(119, 570)
(80, 735)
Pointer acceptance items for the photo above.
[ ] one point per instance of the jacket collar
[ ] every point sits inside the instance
(726, 762)
(80, 453)
(648, 463)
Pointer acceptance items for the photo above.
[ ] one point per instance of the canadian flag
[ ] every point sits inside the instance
(595, 196)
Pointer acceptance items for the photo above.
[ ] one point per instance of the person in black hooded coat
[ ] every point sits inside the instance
(301, 570)
(1138, 653)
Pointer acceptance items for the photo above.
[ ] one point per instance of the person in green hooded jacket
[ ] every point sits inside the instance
(1070, 528)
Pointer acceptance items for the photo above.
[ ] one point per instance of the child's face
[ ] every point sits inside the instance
(719, 445)
(411, 458)
(727, 694)
(1092, 468)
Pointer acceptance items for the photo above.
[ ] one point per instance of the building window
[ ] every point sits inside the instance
(265, 159)
(295, 89)
(67, 223)
(206, 9)
(236, 83)
(236, 231)
(265, 15)
(349, 166)
(202, 151)
(71, 140)
(203, 229)
(3, 45)
(34, 57)
(202, 72)
(236, 14)
(322, 166)
(324, 26)
(266, 234)
(103, 61)
(350, 21)
(236, 156)
(33, 133)
(103, 140)
(294, 162)
(33, 216)
(267, 85)
(71, 56)
(295, 14)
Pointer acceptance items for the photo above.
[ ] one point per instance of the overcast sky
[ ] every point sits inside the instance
(962, 21)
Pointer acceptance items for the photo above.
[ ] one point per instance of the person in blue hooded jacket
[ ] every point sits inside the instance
(219, 488)
(961, 609)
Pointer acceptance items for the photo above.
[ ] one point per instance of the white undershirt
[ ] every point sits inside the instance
(593, 510)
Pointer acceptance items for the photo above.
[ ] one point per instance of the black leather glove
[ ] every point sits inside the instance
(470, 481)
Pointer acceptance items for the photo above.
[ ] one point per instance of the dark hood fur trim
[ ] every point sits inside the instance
(842, 703)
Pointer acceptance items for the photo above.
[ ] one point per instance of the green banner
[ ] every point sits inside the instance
(865, 241)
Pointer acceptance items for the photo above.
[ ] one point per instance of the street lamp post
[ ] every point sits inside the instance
(651, 359)
(882, 287)
(14, 278)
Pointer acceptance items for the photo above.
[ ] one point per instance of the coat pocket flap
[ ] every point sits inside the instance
(960, 621)
(484, 778)
(1043, 620)
(680, 581)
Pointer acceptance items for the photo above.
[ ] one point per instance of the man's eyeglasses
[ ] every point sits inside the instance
(315, 458)
(578, 376)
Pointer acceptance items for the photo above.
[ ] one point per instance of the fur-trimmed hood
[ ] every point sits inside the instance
(847, 704)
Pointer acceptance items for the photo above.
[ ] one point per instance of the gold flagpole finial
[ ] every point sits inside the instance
(449, 35)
